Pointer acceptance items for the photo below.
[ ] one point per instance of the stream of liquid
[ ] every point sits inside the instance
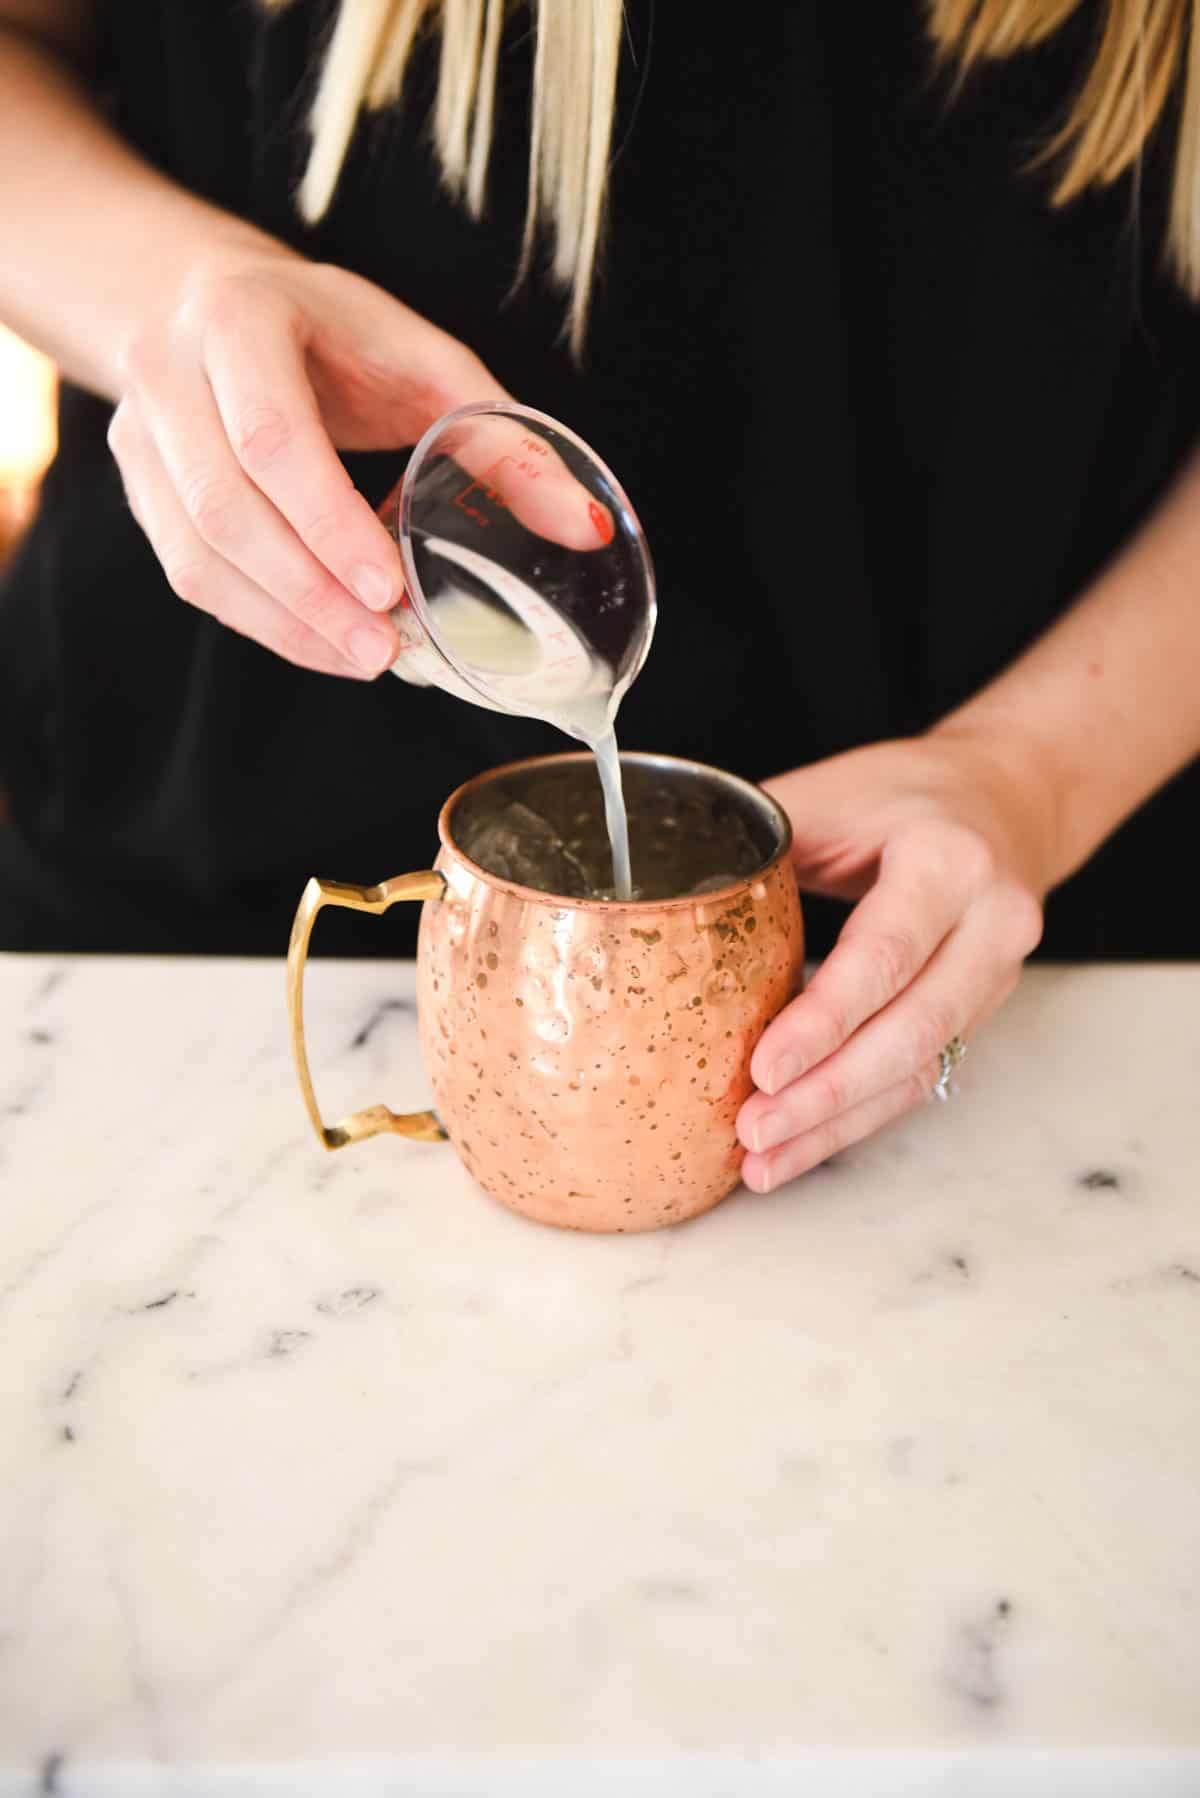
(615, 816)
(508, 655)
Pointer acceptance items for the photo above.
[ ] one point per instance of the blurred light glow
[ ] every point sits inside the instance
(27, 434)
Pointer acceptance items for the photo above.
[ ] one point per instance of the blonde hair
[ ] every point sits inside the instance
(576, 56)
(1145, 48)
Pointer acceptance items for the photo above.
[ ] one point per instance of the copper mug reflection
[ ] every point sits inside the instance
(588, 1057)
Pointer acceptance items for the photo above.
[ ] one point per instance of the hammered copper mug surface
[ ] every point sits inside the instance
(588, 1057)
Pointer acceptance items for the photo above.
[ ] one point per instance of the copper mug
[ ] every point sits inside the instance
(588, 1057)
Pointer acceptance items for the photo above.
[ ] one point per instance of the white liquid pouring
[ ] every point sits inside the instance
(546, 674)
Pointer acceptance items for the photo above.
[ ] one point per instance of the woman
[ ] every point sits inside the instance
(911, 441)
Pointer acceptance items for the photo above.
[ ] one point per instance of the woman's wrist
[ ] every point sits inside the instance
(107, 242)
(1000, 759)
(1104, 708)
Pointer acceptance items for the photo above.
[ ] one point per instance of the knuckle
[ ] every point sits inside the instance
(828, 1139)
(213, 302)
(293, 642)
(188, 577)
(932, 1029)
(325, 530)
(120, 431)
(216, 303)
(774, 1043)
(464, 372)
(298, 645)
(918, 1086)
(830, 1093)
(315, 606)
(211, 502)
(219, 303)
(260, 435)
(832, 1023)
(139, 359)
(975, 857)
(892, 957)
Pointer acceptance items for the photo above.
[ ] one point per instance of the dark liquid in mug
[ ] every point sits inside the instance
(545, 828)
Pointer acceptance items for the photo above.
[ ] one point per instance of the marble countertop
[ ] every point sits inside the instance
(325, 1474)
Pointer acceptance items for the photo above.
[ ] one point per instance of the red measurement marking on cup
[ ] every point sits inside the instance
(461, 500)
(393, 499)
(489, 486)
(522, 467)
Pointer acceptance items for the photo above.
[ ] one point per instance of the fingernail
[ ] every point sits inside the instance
(372, 649)
(602, 522)
(373, 587)
(770, 1131)
(784, 1071)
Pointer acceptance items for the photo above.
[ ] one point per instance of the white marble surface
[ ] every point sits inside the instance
(325, 1474)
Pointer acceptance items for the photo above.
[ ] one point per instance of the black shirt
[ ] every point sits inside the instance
(883, 413)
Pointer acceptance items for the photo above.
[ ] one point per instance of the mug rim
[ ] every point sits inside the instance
(643, 757)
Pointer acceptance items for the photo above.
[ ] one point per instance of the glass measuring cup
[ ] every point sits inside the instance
(529, 582)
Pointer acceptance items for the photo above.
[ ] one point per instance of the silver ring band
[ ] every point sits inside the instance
(951, 1055)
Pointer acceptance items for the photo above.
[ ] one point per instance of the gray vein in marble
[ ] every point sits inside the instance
(386, 1008)
(23, 1097)
(663, 1589)
(48, 1775)
(899, 1456)
(45, 1257)
(974, 1673)
(642, 1282)
(345, 1304)
(113, 1195)
(369, 1516)
(803, 1470)
(160, 1303)
(279, 1345)
(332, 1566)
(752, 1481)
(1100, 1179)
(142, 1685)
(913, 1458)
(21, 1596)
(50, 985)
(1177, 1276)
(950, 1272)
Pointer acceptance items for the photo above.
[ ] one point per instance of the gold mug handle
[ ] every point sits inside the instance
(423, 1126)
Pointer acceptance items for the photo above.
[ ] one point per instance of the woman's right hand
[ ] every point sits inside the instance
(225, 431)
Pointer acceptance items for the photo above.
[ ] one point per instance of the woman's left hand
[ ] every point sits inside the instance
(946, 843)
